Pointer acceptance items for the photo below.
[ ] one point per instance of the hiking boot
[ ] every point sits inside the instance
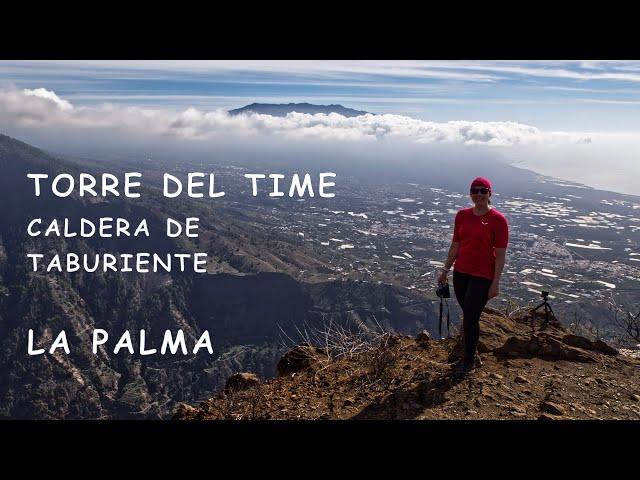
(463, 368)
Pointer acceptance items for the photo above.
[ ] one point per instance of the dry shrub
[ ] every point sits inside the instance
(374, 348)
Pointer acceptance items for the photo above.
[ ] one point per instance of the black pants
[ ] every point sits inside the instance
(472, 295)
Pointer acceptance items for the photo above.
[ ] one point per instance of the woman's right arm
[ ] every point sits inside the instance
(451, 257)
(453, 250)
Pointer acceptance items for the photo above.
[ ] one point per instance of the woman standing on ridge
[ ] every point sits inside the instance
(478, 250)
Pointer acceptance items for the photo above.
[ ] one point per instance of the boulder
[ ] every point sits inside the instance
(494, 331)
(546, 416)
(303, 357)
(551, 408)
(185, 412)
(423, 338)
(241, 381)
(391, 341)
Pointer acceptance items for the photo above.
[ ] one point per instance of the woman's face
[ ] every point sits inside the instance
(480, 196)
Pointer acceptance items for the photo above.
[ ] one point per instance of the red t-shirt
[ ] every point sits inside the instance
(479, 236)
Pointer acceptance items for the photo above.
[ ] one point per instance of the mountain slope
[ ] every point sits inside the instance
(281, 110)
(529, 371)
(248, 304)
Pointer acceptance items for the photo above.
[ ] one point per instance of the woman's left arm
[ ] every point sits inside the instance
(494, 289)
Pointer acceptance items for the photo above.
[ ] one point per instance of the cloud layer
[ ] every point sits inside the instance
(42, 118)
(44, 108)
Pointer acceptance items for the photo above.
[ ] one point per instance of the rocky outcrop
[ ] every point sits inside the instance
(529, 336)
(586, 344)
(546, 347)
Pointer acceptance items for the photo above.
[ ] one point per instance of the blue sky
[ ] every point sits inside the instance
(575, 96)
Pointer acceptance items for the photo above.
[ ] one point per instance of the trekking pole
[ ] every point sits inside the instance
(440, 321)
(448, 324)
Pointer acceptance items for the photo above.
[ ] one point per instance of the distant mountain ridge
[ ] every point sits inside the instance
(282, 109)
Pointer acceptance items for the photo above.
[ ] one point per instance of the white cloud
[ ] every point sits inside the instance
(41, 107)
(48, 95)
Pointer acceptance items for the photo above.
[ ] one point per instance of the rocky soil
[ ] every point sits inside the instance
(530, 371)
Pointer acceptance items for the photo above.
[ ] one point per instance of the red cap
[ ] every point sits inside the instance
(481, 182)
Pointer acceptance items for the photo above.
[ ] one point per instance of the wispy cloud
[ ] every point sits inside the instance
(610, 101)
(484, 71)
(571, 70)
(319, 70)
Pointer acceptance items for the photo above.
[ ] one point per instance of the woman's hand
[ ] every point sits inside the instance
(443, 277)
(494, 289)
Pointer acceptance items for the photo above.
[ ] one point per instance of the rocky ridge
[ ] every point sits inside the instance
(531, 370)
